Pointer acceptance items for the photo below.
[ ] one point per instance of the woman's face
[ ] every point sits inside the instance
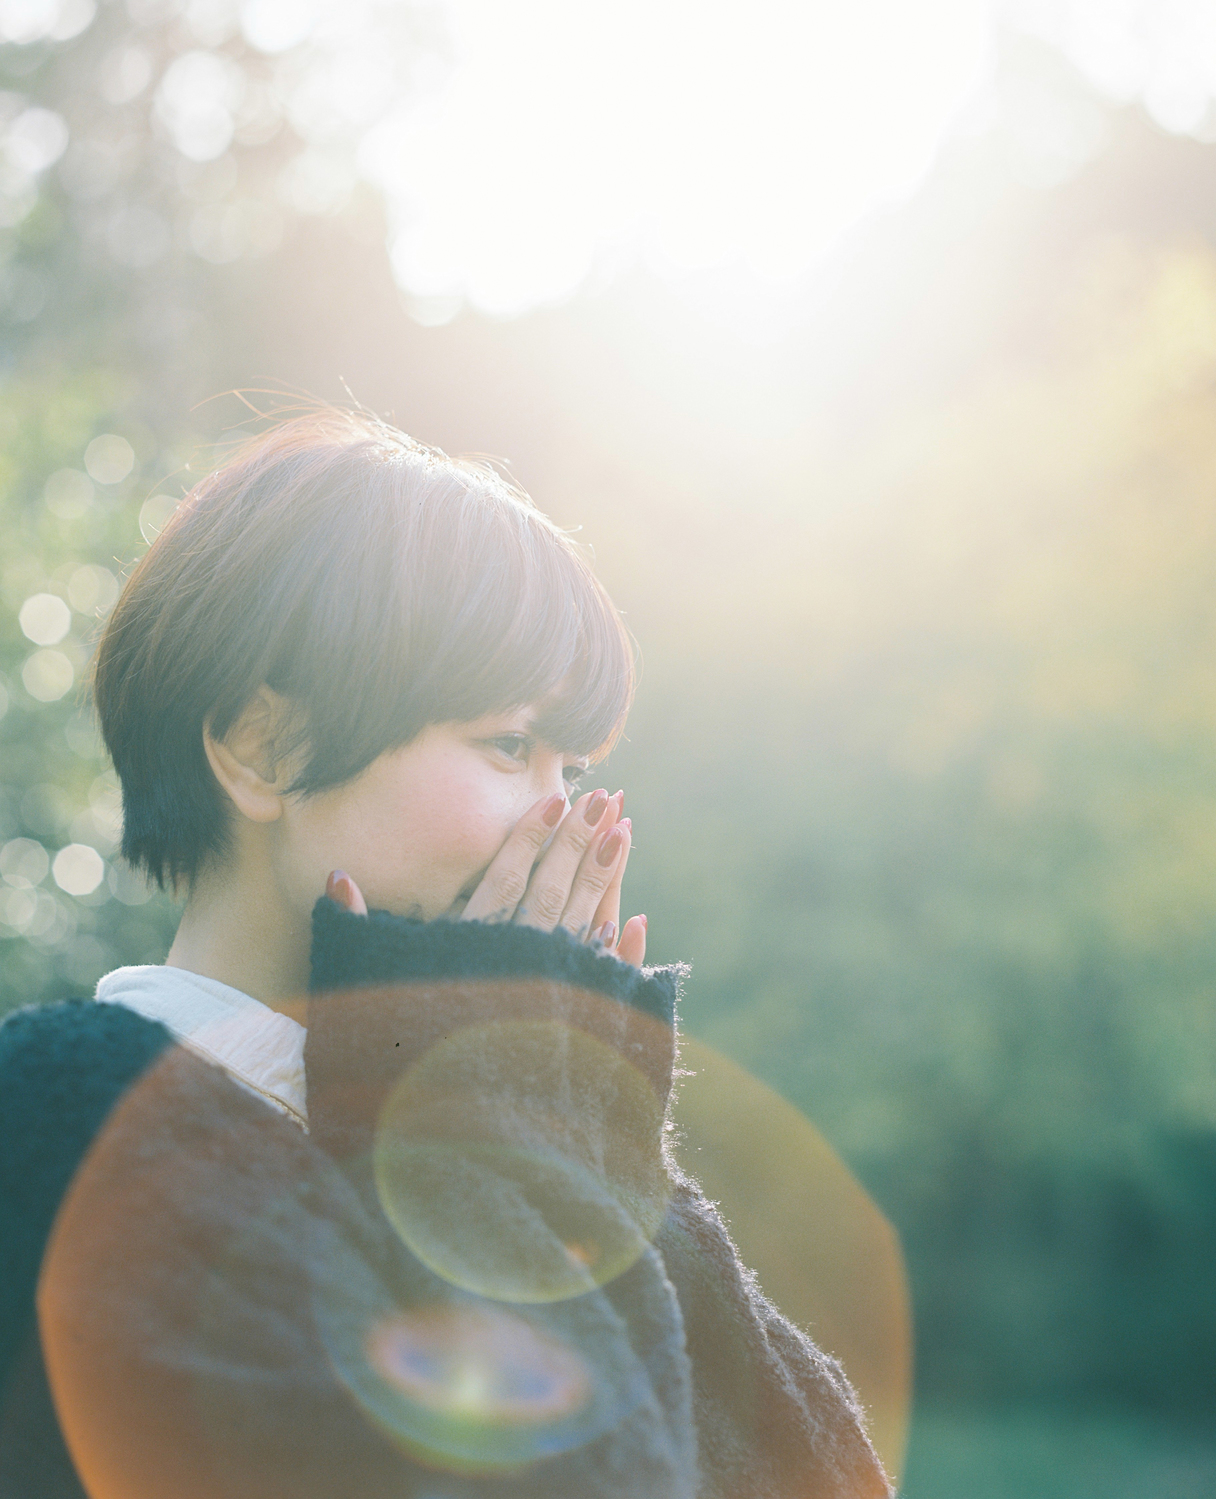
(417, 829)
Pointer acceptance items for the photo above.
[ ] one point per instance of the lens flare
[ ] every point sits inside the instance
(822, 1249)
(479, 1364)
(469, 1388)
(521, 1160)
(464, 1385)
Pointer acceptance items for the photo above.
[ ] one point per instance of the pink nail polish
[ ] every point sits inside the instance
(552, 814)
(608, 933)
(596, 807)
(627, 822)
(610, 847)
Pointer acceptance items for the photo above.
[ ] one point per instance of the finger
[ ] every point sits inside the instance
(549, 889)
(341, 888)
(609, 908)
(632, 946)
(502, 886)
(595, 874)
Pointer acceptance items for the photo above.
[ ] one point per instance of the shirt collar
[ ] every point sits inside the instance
(256, 1045)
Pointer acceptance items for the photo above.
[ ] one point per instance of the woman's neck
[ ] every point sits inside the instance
(236, 928)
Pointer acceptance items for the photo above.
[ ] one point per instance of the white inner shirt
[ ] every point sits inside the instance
(255, 1045)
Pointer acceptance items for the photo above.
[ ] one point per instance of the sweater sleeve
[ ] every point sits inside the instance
(775, 1417)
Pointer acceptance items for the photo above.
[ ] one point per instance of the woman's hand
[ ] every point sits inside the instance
(573, 882)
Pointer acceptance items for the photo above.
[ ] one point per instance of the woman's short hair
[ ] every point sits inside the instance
(377, 584)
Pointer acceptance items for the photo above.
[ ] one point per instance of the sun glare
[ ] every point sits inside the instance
(573, 140)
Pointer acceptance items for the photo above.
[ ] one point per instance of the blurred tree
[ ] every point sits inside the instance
(149, 143)
(972, 932)
(148, 151)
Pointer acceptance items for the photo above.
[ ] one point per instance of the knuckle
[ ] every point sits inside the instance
(534, 836)
(580, 834)
(595, 877)
(547, 905)
(509, 886)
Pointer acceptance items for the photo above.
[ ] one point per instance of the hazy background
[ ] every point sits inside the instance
(875, 355)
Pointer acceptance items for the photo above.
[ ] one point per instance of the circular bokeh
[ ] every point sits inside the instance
(522, 1160)
(468, 1386)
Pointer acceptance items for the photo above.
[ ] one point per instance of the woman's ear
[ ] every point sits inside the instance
(246, 761)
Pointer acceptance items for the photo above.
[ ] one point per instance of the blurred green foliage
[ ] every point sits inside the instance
(948, 871)
(1054, 1454)
(68, 537)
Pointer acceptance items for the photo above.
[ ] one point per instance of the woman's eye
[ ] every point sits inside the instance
(573, 775)
(514, 746)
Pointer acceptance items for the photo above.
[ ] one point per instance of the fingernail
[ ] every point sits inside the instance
(644, 922)
(627, 822)
(339, 888)
(595, 807)
(608, 933)
(610, 847)
(552, 814)
(620, 796)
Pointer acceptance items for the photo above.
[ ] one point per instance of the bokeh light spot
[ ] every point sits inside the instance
(45, 619)
(78, 869)
(495, 1186)
(23, 863)
(35, 140)
(196, 98)
(25, 21)
(48, 675)
(154, 514)
(277, 25)
(92, 589)
(109, 458)
(74, 16)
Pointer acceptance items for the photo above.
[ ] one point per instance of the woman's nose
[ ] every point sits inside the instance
(552, 777)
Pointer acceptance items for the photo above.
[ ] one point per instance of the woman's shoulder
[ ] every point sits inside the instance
(63, 1067)
(64, 1064)
(40, 1039)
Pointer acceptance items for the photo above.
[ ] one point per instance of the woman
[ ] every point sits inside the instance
(351, 664)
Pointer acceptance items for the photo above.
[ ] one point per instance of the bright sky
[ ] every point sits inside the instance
(527, 148)
(1160, 53)
(692, 133)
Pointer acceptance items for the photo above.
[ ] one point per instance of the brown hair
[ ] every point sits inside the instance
(379, 585)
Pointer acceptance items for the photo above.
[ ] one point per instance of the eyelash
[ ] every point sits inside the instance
(511, 744)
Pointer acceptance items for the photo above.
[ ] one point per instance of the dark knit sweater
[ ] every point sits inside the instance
(205, 1301)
